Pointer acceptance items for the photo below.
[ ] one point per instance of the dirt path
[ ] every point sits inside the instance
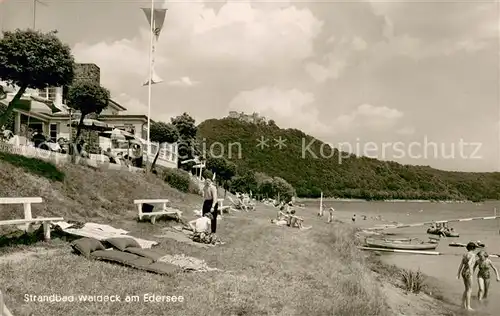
(412, 304)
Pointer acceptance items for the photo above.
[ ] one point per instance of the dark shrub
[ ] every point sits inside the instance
(180, 180)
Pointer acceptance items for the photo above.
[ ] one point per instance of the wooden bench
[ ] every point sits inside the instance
(166, 210)
(28, 219)
(222, 207)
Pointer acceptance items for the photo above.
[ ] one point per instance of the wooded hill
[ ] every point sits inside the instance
(355, 177)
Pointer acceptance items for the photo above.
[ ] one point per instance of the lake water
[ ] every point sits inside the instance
(443, 267)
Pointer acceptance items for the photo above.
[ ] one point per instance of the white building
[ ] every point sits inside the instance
(44, 110)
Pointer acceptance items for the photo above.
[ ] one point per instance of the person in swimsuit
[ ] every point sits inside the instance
(330, 215)
(466, 270)
(210, 203)
(483, 274)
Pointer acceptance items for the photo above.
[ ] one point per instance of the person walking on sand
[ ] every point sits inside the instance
(210, 203)
(330, 214)
(466, 270)
(353, 218)
(484, 265)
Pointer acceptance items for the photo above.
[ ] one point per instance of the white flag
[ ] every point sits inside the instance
(156, 23)
(154, 79)
(158, 19)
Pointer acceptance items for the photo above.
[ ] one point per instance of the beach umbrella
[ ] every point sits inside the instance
(33, 103)
(138, 141)
(122, 135)
(114, 134)
(91, 124)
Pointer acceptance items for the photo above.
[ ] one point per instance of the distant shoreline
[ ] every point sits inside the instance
(387, 201)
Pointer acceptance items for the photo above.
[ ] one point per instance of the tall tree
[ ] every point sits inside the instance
(31, 59)
(87, 97)
(186, 125)
(217, 166)
(162, 133)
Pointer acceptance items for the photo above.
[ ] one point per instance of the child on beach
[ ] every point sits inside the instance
(466, 270)
(483, 274)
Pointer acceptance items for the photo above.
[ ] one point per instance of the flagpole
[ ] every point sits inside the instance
(34, 14)
(150, 74)
(3, 8)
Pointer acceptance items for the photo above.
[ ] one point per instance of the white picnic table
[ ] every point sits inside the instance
(166, 210)
(28, 219)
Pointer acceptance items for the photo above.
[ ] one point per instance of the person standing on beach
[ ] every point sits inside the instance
(210, 203)
(466, 270)
(330, 215)
(353, 218)
(483, 274)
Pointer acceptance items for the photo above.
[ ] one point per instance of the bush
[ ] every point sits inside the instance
(413, 281)
(283, 188)
(34, 166)
(207, 174)
(274, 187)
(244, 183)
(180, 180)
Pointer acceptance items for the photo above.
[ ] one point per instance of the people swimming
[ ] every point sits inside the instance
(484, 264)
(466, 270)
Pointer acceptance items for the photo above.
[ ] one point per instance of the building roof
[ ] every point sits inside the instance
(133, 117)
(117, 105)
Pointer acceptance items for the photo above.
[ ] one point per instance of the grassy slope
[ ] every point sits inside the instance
(353, 178)
(268, 270)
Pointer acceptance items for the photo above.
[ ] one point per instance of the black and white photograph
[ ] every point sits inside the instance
(249, 157)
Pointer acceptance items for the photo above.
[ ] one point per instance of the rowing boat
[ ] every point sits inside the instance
(398, 244)
(438, 232)
(457, 244)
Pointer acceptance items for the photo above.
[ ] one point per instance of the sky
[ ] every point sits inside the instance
(387, 79)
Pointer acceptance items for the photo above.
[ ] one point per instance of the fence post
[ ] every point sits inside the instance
(321, 205)
(498, 221)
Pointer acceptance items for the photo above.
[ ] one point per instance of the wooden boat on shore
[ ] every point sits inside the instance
(436, 231)
(433, 240)
(458, 244)
(411, 244)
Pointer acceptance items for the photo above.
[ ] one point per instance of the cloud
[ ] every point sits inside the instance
(238, 41)
(133, 105)
(336, 61)
(457, 27)
(322, 73)
(183, 82)
(367, 117)
(409, 130)
(124, 57)
(359, 44)
(258, 36)
(289, 108)
(411, 58)
(236, 33)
